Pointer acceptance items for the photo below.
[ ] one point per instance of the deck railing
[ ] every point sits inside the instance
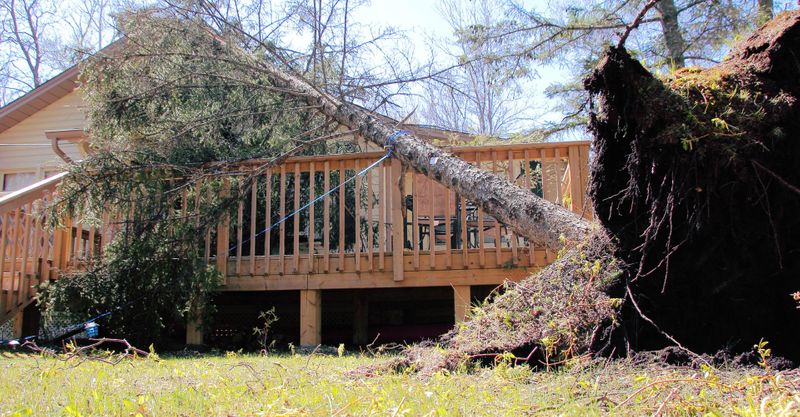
(33, 252)
(389, 221)
(26, 245)
(390, 212)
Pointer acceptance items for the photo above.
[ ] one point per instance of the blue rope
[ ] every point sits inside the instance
(392, 139)
(390, 142)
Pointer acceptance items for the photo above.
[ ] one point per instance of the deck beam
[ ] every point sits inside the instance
(425, 277)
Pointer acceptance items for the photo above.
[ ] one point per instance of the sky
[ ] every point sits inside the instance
(415, 16)
(422, 21)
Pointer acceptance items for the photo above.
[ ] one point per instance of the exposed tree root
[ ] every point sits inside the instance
(695, 178)
(559, 307)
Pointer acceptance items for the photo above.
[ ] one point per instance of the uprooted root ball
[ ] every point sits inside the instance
(695, 178)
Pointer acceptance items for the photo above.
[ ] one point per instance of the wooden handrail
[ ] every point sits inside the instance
(29, 194)
(457, 150)
(428, 222)
(24, 245)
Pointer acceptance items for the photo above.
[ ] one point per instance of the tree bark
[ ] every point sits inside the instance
(673, 39)
(532, 217)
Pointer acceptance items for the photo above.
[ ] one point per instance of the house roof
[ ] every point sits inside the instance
(48, 92)
(40, 97)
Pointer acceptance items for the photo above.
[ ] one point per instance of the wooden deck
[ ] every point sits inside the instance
(389, 228)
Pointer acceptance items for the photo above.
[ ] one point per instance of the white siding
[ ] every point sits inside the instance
(65, 114)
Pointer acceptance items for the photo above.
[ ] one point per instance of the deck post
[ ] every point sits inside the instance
(223, 239)
(19, 320)
(194, 332)
(195, 324)
(575, 172)
(462, 300)
(57, 266)
(360, 319)
(397, 221)
(310, 317)
(583, 153)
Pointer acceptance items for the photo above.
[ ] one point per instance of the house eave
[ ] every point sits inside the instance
(39, 98)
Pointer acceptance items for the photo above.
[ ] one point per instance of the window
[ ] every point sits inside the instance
(18, 180)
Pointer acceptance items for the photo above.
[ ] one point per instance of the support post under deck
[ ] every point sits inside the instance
(310, 317)
(194, 333)
(462, 300)
(18, 323)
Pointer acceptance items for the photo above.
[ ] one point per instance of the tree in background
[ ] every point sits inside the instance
(320, 41)
(91, 27)
(40, 38)
(674, 34)
(571, 35)
(765, 11)
(27, 46)
(483, 92)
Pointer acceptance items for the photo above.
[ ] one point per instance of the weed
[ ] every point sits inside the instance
(267, 318)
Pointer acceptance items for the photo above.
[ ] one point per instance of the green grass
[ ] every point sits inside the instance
(244, 385)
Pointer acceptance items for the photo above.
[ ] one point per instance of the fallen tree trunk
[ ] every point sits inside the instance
(696, 180)
(529, 215)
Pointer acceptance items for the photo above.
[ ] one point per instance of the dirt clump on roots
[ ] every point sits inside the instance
(696, 180)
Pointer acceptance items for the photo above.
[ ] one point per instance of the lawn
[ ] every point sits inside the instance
(319, 385)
